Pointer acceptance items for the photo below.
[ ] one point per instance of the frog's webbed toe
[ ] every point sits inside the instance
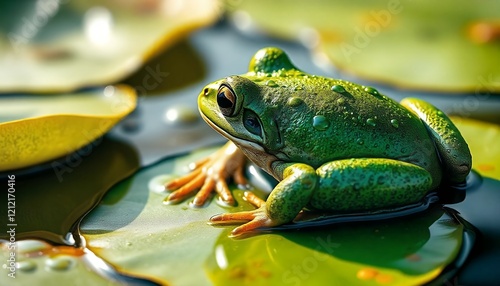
(184, 186)
(252, 220)
(210, 174)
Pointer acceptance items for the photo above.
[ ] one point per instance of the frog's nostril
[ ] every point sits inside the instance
(205, 91)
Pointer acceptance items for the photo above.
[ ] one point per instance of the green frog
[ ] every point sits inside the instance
(333, 145)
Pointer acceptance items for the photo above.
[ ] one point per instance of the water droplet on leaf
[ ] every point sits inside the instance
(26, 266)
(62, 262)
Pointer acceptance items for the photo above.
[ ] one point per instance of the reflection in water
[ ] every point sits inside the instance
(50, 203)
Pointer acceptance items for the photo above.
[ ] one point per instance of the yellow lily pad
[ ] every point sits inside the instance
(37, 129)
(51, 47)
(440, 46)
(483, 138)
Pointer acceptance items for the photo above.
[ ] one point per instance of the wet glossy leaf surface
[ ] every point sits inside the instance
(37, 129)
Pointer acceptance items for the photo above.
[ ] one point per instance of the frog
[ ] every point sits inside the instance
(331, 144)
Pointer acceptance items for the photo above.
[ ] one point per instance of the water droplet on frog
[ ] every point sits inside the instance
(282, 73)
(320, 122)
(394, 123)
(181, 115)
(360, 141)
(371, 121)
(372, 91)
(59, 263)
(271, 83)
(338, 88)
(26, 266)
(298, 88)
(294, 101)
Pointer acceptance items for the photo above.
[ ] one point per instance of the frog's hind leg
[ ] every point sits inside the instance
(366, 184)
(452, 148)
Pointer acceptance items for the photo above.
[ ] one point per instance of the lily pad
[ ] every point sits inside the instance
(59, 46)
(173, 244)
(483, 138)
(38, 263)
(446, 46)
(37, 129)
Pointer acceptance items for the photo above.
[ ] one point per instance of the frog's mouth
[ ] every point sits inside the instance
(254, 151)
(238, 141)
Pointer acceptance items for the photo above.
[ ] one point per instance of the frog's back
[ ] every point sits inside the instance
(325, 119)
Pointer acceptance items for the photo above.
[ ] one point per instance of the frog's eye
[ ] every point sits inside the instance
(226, 100)
(252, 123)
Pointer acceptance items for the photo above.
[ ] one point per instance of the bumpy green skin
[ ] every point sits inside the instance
(333, 144)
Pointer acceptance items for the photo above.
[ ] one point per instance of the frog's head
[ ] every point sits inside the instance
(243, 108)
(270, 61)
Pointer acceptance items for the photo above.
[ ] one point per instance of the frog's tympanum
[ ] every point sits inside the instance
(333, 145)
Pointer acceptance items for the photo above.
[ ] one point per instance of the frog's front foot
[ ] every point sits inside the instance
(252, 219)
(208, 175)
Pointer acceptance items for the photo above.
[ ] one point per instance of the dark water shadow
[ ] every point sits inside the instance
(177, 67)
(480, 208)
(50, 203)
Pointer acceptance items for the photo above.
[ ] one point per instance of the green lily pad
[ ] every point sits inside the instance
(38, 129)
(173, 244)
(59, 46)
(38, 263)
(440, 46)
